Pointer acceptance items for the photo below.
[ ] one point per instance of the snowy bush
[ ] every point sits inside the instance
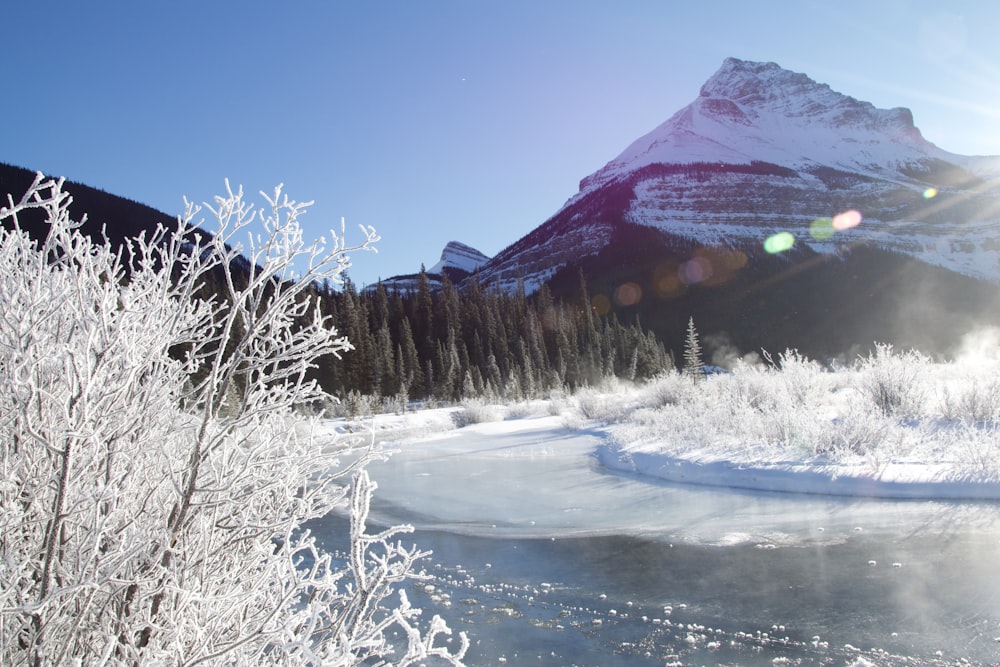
(667, 389)
(395, 404)
(603, 405)
(888, 406)
(518, 410)
(800, 377)
(858, 431)
(750, 388)
(475, 411)
(573, 421)
(156, 473)
(978, 447)
(556, 406)
(891, 380)
(975, 401)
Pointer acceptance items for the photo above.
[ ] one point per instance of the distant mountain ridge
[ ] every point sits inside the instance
(459, 258)
(118, 217)
(458, 262)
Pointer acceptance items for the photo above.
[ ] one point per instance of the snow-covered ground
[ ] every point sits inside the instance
(892, 425)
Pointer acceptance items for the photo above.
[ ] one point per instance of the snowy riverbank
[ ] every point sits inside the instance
(491, 437)
(890, 426)
(892, 480)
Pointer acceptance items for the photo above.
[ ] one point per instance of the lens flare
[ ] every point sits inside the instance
(735, 260)
(779, 242)
(667, 281)
(696, 270)
(628, 294)
(846, 220)
(930, 193)
(601, 304)
(822, 229)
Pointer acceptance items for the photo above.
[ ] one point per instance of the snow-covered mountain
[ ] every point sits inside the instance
(766, 175)
(458, 257)
(763, 151)
(760, 112)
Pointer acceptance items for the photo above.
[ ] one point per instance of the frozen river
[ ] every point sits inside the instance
(545, 558)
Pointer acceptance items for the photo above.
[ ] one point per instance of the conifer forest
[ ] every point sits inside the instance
(448, 344)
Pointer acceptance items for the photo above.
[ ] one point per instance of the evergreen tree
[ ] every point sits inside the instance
(409, 360)
(693, 364)
(387, 382)
(423, 319)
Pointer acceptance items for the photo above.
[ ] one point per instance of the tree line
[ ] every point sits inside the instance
(448, 344)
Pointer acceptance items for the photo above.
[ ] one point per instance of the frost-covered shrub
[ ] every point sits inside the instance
(606, 407)
(572, 420)
(859, 431)
(801, 378)
(884, 408)
(750, 387)
(891, 381)
(156, 472)
(978, 446)
(591, 405)
(355, 404)
(518, 410)
(666, 389)
(476, 412)
(556, 406)
(977, 400)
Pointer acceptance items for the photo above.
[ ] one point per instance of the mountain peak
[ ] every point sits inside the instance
(460, 257)
(747, 81)
(758, 111)
(760, 88)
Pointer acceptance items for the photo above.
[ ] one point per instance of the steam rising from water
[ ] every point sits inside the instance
(724, 354)
(979, 346)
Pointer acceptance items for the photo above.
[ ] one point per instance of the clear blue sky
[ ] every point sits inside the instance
(439, 120)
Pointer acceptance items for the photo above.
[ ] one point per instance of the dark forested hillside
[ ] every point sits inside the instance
(825, 306)
(120, 218)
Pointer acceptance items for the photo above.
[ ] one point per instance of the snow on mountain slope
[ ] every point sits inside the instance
(752, 111)
(457, 261)
(956, 229)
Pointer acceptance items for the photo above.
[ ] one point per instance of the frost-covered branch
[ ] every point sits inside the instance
(154, 473)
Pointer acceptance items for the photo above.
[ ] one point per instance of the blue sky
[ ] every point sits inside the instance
(441, 120)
